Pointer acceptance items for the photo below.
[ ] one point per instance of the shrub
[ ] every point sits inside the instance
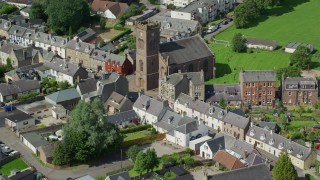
(170, 175)
(135, 128)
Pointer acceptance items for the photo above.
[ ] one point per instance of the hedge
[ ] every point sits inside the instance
(143, 140)
(128, 31)
(135, 129)
(120, 28)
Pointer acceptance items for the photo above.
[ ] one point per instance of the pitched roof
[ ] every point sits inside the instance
(18, 116)
(80, 46)
(296, 83)
(87, 85)
(194, 77)
(86, 35)
(169, 120)
(47, 150)
(8, 47)
(19, 86)
(63, 95)
(150, 105)
(227, 160)
(120, 176)
(236, 120)
(122, 117)
(258, 76)
(62, 66)
(262, 42)
(119, 102)
(35, 139)
(115, 7)
(107, 56)
(228, 92)
(279, 142)
(5, 24)
(268, 125)
(188, 127)
(185, 50)
(216, 144)
(260, 172)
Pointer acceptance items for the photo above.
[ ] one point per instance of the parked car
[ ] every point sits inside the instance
(209, 31)
(9, 108)
(199, 136)
(5, 149)
(8, 152)
(225, 22)
(14, 153)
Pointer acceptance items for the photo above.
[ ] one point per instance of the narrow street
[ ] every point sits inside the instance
(222, 28)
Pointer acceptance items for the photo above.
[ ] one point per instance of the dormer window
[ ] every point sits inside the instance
(271, 141)
(252, 132)
(281, 145)
(300, 154)
(289, 150)
(262, 136)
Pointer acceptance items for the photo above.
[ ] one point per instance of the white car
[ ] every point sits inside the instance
(13, 153)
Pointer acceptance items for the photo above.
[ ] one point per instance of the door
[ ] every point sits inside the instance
(203, 154)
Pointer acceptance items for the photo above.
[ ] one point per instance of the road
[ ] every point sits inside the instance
(106, 165)
(222, 28)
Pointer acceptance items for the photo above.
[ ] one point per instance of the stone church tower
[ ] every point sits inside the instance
(147, 55)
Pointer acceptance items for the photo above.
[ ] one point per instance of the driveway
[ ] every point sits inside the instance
(222, 28)
(109, 164)
(163, 147)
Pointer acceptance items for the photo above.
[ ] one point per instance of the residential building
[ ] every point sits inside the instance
(79, 52)
(230, 93)
(25, 56)
(235, 124)
(149, 109)
(119, 64)
(291, 47)
(211, 147)
(5, 25)
(11, 90)
(260, 171)
(86, 36)
(6, 50)
(174, 29)
(20, 3)
(62, 70)
(123, 176)
(33, 140)
(156, 61)
(224, 159)
(24, 73)
(197, 143)
(203, 11)
(68, 98)
(258, 87)
(168, 120)
(45, 153)
(273, 126)
(261, 44)
(18, 120)
(103, 87)
(109, 9)
(123, 119)
(117, 103)
(211, 115)
(16, 34)
(299, 90)
(274, 144)
(191, 83)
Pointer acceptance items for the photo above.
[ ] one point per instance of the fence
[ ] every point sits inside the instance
(217, 41)
(143, 140)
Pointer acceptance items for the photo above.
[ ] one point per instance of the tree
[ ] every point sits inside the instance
(301, 57)
(133, 152)
(284, 169)
(60, 155)
(63, 14)
(241, 17)
(170, 175)
(311, 136)
(139, 164)
(37, 10)
(223, 103)
(9, 66)
(6, 8)
(64, 85)
(290, 71)
(87, 134)
(238, 43)
(152, 160)
(102, 23)
(171, 7)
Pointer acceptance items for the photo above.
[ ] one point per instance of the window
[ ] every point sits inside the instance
(247, 92)
(247, 84)
(250, 140)
(25, 123)
(310, 94)
(264, 84)
(253, 84)
(289, 93)
(141, 65)
(269, 84)
(264, 92)
(269, 92)
(205, 147)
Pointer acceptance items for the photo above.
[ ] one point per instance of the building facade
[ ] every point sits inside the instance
(299, 90)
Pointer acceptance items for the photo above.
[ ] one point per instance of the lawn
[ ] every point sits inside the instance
(229, 63)
(18, 164)
(292, 22)
(136, 135)
(297, 125)
(133, 173)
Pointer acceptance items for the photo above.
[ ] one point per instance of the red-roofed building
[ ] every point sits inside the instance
(109, 9)
(227, 160)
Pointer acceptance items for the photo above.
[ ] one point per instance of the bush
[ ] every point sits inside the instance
(135, 128)
(27, 96)
(189, 151)
(297, 135)
(153, 131)
(120, 35)
(170, 175)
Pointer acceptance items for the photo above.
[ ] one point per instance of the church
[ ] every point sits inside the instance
(155, 61)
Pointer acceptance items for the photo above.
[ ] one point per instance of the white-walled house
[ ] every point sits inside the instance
(210, 147)
(274, 144)
(109, 9)
(18, 120)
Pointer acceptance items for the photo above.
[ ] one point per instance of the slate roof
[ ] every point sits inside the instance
(5, 24)
(216, 144)
(8, 47)
(119, 102)
(278, 141)
(115, 7)
(62, 66)
(154, 108)
(268, 125)
(120, 176)
(80, 46)
(184, 99)
(262, 42)
(63, 95)
(35, 139)
(87, 85)
(194, 6)
(185, 50)
(188, 127)
(47, 150)
(122, 117)
(107, 56)
(25, 54)
(260, 172)
(19, 86)
(295, 45)
(25, 174)
(195, 77)
(108, 47)
(227, 160)
(167, 115)
(228, 92)
(18, 116)
(86, 35)
(296, 83)
(236, 120)
(259, 76)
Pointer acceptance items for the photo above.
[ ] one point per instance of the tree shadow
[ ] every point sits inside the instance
(285, 6)
(222, 69)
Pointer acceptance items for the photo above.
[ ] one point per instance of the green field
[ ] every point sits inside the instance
(18, 164)
(294, 21)
(136, 135)
(297, 125)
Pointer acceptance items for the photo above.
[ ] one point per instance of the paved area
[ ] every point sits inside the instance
(163, 147)
(199, 174)
(222, 28)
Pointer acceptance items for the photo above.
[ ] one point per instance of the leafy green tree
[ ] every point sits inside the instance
(60, 154)
(311, 136)
(139, 164)
(102, 23)
(238, 43)
(133, 152)
(170, 175)
(87, 134)
(171, 7)
(38, 9)
(284, 169)
(151, 160)
(6, 8)
(290, 71)
(223, 103)
(64, 85)
(63, 14)
(301, 57)
(241, 17)
(189, 162)
(9, 66)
